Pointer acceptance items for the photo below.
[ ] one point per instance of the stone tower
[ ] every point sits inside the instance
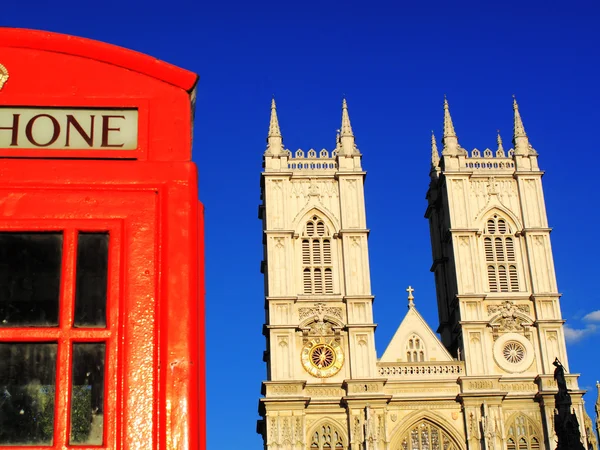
(322, 390)
(497, 294)
(488, 384)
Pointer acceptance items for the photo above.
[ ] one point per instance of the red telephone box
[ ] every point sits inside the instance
(101, 287)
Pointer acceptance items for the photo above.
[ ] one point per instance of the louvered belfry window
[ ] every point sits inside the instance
(500, 256)
(317, 265)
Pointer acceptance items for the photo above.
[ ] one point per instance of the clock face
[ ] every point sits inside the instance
(322, 357)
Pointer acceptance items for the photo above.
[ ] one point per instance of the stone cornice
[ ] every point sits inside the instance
(498, 396)
(281, 232)
(299, 402)
(281, 326)
(549, 322)
(525, 231)
(347, 173)
(545, 296)
(462, 173)
(311, 175)
(361, 325)
(496, 296)
(471, 296)
(281, 174)
(359, 297)
(281, 297)
(529, 172)
(547, 383)
(465, 230)
(324, 298)
(364, 400)
(295, 383)
(486, 175)
(342, 232)
(467, 324)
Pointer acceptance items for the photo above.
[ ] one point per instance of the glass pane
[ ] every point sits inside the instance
(29, 278)
(87, 396)
(92, 272)
(27, 384)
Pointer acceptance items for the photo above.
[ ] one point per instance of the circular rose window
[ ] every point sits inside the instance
(513, 352)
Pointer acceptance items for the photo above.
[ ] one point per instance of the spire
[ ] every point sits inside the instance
(598, 403)
(435, 156)
(520, 139)
(519, 128)
(448, 125)
(598, 408)
(450, 139)
(274, 125)
(411, 303)
(346, 127)
(500, 151)
(346, 135)
(274, 139)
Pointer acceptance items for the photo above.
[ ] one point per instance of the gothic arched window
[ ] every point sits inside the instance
(424, 435)
(522, 434)
(415, 349)
(500, 256)
(327, 437)
(317, 263)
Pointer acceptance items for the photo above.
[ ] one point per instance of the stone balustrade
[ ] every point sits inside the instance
(425, 370)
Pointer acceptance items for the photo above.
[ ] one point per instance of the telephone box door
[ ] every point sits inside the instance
(77, 334)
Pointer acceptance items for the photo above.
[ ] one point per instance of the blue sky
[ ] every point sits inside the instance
(394, 62)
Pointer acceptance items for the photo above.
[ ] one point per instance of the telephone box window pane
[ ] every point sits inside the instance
(87, 395)
(30, 265)
(27, 386)
(92, 274)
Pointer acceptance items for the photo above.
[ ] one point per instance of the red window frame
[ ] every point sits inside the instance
(65, 334)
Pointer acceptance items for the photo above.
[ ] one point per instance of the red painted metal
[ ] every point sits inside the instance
(147, 200)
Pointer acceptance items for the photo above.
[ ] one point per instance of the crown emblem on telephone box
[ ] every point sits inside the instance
(3, 76)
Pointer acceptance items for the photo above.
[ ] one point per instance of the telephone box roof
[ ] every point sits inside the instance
(99, 51)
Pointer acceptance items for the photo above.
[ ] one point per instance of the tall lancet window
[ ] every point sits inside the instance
(317, 263)
(500, 256)
(522, 434)
(415, 349)
(426, 435)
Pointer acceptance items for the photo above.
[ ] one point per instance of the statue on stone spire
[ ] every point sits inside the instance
(274, 138)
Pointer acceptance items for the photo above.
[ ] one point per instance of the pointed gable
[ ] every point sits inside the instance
(416, 338)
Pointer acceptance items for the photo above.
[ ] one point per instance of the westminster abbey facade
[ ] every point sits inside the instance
(486, 382)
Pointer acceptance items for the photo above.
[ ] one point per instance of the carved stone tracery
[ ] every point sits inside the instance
(326, 321)
(508, 317)
(319, 311)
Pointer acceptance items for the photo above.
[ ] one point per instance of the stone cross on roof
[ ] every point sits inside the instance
(411, 298)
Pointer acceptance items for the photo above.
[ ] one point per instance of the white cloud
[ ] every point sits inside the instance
(576, 334)
(594, 316)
